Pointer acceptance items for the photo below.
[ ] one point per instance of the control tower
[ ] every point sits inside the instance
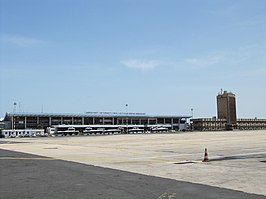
(226, 108)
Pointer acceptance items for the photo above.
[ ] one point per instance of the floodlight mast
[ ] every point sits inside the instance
(14, 110)
(127, 118)
(191, 122)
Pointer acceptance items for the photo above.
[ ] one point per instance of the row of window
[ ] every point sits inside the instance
(64, 120)
(44, 122)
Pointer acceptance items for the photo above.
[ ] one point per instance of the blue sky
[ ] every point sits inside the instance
(157, 56)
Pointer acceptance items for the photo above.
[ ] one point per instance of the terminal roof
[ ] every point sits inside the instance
(95, 114)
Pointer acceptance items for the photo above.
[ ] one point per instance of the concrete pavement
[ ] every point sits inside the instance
(30, 176)
(240, 155)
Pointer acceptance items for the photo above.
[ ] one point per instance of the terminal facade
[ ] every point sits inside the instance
(214, 124)
(104, 119)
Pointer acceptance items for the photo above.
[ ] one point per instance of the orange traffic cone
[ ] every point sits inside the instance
(206, 158)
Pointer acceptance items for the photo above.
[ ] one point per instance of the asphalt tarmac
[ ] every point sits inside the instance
(29, 176)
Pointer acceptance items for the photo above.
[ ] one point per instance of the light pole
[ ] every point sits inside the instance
(14, 110)
(15, 107)
(127, 118)
(191, 122)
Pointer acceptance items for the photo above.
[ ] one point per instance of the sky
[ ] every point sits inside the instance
(158, 56)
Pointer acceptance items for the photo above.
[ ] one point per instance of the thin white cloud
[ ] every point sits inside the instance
(20, 41)
(204, 62)
(247, 60)
(140, 64)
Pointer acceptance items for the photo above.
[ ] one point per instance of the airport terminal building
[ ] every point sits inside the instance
(227, 117)
(17, 120)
